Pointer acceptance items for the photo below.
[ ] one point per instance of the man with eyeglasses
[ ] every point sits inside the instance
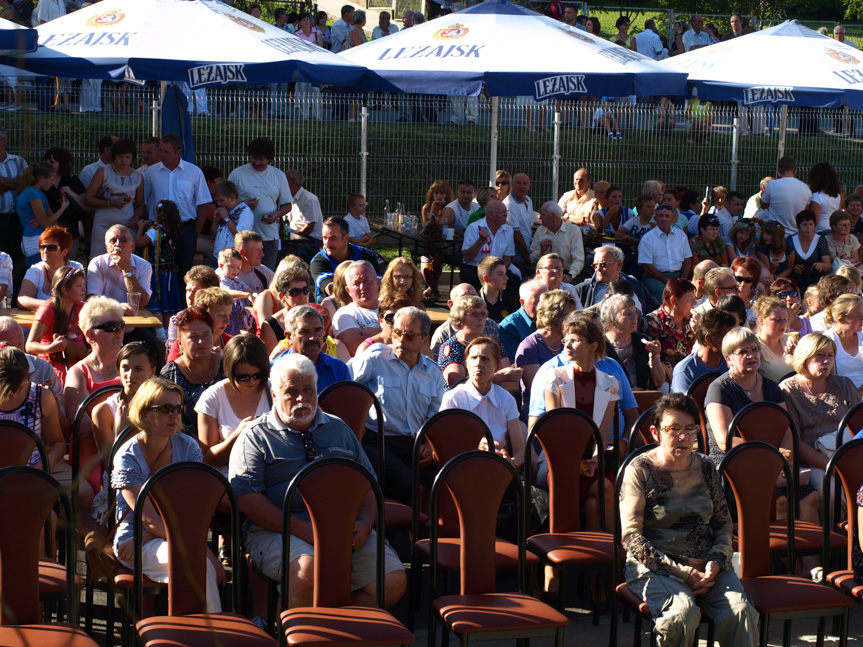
(410, 387)
(580, 203)
(557, 236)
(304, 330)
(717, 283)
(608, 267)
(707, 356)
(359, 319)
(269, 454)
(490, 236)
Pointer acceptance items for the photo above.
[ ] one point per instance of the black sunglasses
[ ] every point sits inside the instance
(792, 294)
(309, 445)
(663, 207)
(245, 377)
(501, 183)
(168, 409)
(295, 292)
(50, 247)
(389, 318)
(745, 279)
(111, 326)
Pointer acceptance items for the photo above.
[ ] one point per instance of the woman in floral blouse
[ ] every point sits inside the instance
(670, 323)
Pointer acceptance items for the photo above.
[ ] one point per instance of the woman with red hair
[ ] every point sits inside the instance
(669, 324)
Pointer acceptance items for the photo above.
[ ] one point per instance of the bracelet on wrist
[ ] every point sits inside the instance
(367, 521)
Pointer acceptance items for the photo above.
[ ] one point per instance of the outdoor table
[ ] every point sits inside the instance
(144, 318)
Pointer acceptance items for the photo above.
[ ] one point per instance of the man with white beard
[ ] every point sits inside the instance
(273, 449)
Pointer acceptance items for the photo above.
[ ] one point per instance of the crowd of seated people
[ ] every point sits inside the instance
(600, 302)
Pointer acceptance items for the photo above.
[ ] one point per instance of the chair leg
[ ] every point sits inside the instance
(821, 628)
(272, 599)
(636, 638)
(843, 631)
(414, 589)
(447, 584)
(786, 634)
(597, 602)
(558, 638)
(110, 599)
(612, 630)
(432, 630)
(763, 628)
(711, 634)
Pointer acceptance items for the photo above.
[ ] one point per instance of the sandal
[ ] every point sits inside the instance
(430, 297)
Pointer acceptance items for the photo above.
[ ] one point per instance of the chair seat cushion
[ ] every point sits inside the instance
(400, 515)
(808, 536)
(505, 553)
(53, 635)
(343, 626)
(124, 578)
(466, 614)
(574, 547)
(52, 577)
(202, 630)
(629, 596)
(785, 593)
(844, 580)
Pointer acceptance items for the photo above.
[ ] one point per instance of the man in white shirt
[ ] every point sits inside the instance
(48, 10)
(149, 153)
(407, 19)
(520, 217)
(87, 173)
(265, 189)
(463, 206)
(695, 38)
(184, 184)
(306, 219)
(557, 236)
(359, 232)
(648, 42)
(490, 236)
(753, 205)
(663, 254)
(385, 27)
(340, 28)
(359, 319)
(838, 35)
(786, 196)
(12, 167)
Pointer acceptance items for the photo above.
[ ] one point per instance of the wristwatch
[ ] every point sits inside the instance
(128, 275)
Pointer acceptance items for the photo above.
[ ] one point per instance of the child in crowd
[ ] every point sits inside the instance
(242, 319)
(230, 217)
(813, 301)
(604, 118)
(159, 242)
(492, 273)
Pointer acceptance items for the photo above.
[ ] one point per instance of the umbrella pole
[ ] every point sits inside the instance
(364, 147)
(735, 143)
(555, 158)
(494, 138)
(783, 126)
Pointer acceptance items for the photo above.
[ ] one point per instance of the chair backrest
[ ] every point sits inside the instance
(646, 399)
(641, 428)
(618, 531)
(750, 471)
(852, 421)
(566, 436)
(27, 496)
(85, 409)
(17, 443)
(477, 482)
(186, 495)
(698, 392)
(847, 464)
(449, 433)
(119, 441)
(351, 401)
(334, 491)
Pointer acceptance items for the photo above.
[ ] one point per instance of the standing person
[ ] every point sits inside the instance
(160, 240)
(826, 198)
(183, 184)
(56, 334)
(116, 193)
(324, 28)
(34, 215)
(785, 196)
(306, 220)
(54, 244)
(71, 186)
(12, 169)
(265, 189)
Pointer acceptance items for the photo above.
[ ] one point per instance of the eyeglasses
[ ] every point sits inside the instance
(791, 294)
(752, 351)
(295, 292)
(389, 318)
(600, 266)
(50, 247)
(111, 326)
(168, 409)
(403, 277)
(309, 446)
(663, 207)
(552, 268)
(477, 313)
(406, 334)
(501, 183)
(245, 377)
(745, 279)
(689, 430)
(119, 241)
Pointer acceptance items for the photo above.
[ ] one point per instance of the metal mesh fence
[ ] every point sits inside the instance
(412, 141)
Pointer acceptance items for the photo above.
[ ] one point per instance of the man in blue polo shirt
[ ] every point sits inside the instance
(304, 329)
(337, 249)
(515, 328)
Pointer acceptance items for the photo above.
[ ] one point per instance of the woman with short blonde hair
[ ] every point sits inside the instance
(776, 347)
(845, 318)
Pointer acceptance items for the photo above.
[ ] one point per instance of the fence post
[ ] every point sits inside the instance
(364, 147)
(735, 142)
(157, 117)
(783, 125)
(495, 106)
(555, 156)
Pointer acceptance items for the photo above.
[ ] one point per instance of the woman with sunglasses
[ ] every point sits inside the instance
(387, 309)
(54, 245)
(786, 289)
(502, 181)
(198, 367)
(56, 335)
(101, 321)
(293, 285)
(746, 272)
(155, 411)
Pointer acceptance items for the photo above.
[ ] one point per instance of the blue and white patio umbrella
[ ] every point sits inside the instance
(514, 52)
(15, 39)
(201, 42)
(788, 64)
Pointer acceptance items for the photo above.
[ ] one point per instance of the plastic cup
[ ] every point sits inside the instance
(134, 301)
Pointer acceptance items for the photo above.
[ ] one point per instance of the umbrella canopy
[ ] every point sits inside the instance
(202, 42)
(514, 52)
(15, 39)
(788, 64)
